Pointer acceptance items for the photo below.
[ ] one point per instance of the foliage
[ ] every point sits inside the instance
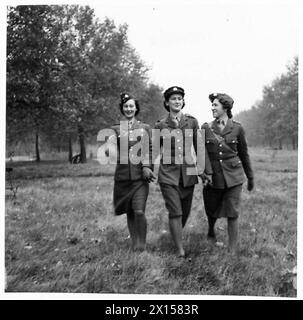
(274, 120)
(31, 39)
(65, 72)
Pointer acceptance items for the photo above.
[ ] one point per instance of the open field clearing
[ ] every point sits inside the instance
(61, 235)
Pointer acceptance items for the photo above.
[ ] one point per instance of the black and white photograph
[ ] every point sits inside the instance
(151, 150)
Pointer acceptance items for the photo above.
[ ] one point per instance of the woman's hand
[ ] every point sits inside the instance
(148, 174)
(250, 184)
(206, 179)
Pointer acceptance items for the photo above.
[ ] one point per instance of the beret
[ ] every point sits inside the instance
(223, 98)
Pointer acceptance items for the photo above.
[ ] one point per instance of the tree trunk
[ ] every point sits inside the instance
(82, 144)
(37, 148)
(70, 149)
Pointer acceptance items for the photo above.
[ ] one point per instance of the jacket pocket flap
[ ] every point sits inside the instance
(231, 139)
(236, 163)
(210, 140)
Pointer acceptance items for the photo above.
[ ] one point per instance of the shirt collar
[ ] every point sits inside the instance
(225, 119)
(177, 116)
(131, 122)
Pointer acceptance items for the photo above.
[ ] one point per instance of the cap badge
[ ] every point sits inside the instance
(175, 89)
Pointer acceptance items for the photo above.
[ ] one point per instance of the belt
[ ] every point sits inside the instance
(227, 158)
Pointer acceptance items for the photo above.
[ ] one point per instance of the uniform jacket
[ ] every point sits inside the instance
(171, 173)
(228, 154)
(130, 171)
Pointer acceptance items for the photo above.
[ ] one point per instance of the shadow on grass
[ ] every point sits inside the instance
(57, 168)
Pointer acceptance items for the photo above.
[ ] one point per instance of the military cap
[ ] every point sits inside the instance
(223, 98)
(124, 98)
(173, 90)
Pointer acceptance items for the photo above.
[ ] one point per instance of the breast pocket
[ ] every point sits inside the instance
(211, 144)
(232, 142)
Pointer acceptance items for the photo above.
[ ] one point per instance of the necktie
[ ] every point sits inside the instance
(220, 124)
(175, 121)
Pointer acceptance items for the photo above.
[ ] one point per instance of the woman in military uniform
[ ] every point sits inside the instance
(176, 182)
(131, 179)
(227, 149)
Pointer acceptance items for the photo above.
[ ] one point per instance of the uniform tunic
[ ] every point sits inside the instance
(230, 162)
(177, 186)
(130, 188)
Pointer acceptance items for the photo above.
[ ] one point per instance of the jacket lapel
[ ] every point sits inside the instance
(135, 124)
(214, 127)
(183, 121)
(170, 123)
(228, 128)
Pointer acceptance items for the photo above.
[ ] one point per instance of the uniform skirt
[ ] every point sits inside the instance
(129, 196)
(222, 203)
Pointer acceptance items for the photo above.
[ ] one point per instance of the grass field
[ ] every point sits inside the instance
(61, 236)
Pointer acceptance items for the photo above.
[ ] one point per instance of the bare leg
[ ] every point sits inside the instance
(175, 226)
(232, 227)
(131, 228)
(140, 229)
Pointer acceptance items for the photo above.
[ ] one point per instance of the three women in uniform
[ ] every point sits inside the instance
(226, 161)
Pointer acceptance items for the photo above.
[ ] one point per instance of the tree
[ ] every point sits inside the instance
(31, 43)
(66, 70)
(274, 119)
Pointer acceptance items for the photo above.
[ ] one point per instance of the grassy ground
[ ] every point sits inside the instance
(61, 236)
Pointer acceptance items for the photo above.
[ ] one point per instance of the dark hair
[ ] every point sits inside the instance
(226, 101)
(136, 104)
(229, 114)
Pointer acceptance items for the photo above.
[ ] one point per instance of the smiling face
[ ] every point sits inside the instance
(175, 103)
(217, 109)
(129, 109)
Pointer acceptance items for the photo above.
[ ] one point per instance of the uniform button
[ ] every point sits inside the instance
(178, 140)
(179, 148)
(220, 153)
(180, 155)
(220, 145)
(221, 160)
